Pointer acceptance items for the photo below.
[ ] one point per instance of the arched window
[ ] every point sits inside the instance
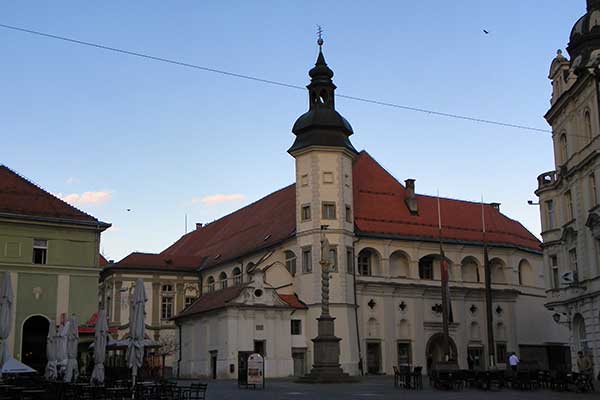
(470, 269)
(587, 120)
(563, 147)
(399, 264)
(210, 284)
(364, 262)
(526, 276)
(497, 271)
(290, 262)
(237, 276)
(223, 280)
(426, 268)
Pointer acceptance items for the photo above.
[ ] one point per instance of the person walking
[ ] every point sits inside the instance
(513, 361)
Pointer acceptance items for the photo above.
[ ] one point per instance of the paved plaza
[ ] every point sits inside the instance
(372, 388)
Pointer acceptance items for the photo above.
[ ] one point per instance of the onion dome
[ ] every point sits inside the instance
(584, 43)
(321, 125)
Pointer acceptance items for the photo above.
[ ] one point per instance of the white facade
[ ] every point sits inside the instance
(568, 195)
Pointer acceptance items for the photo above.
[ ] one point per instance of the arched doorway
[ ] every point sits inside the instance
(435, 349)
(33, 347)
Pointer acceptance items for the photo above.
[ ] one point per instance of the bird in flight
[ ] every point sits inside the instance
(486, 32)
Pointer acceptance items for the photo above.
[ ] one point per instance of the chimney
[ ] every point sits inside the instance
(495, 206)
(410, 198)
(199, 225)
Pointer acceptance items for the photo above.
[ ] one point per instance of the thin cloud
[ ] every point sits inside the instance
(85, 198)
(71, 180)
(218, 198)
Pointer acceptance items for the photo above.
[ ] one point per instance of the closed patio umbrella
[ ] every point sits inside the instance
(51, 373)
(101, 338)
(135, 349)
(6, 300)
(60, 341)
(72, 371)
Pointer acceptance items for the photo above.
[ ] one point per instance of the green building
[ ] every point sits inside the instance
(51, 250)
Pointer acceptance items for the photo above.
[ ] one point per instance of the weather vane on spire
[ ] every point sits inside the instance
(319, 36)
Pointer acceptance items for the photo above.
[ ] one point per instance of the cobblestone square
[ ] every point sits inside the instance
(372, 388)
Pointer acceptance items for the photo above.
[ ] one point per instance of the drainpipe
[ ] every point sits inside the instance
(360, 358)
(180, 346)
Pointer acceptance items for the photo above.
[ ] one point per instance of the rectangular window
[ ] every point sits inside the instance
(333, 259)
(348, 214)
(166, 307)
(305, 213)
(260, 347)
(569, 205)
(189, 300)
(328, 210)
(593, 190)
(573, 260)
(550, 213)
(501, 353)
(40, 251)
(554, 267)
(296, 327)
(350, 260)
(404, 353)
(306, 260)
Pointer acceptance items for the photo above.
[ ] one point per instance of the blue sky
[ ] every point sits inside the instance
(159, 139)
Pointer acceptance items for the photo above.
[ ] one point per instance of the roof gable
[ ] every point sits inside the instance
(22, 197)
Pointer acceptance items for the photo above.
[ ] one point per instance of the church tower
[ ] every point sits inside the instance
(324, 198)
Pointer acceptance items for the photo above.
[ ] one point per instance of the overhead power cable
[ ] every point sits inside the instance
(272, 82)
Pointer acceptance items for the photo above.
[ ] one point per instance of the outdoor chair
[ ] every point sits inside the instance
(197, 391)
(405, 376)
(396, 376)
(417, 378)
(559, 381)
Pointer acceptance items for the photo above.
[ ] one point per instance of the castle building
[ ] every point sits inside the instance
(259, 277)
(568, 195)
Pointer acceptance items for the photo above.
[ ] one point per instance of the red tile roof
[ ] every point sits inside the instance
(379, 208)
(21, 197)
(163, 262)
(257, 226)
(224, 297)
(212, 301)
(293, 301)
(102, 261)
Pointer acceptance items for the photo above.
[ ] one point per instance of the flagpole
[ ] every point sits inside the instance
(488, 295)
(444, 273)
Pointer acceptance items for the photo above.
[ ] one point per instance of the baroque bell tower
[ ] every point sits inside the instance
(324, 206)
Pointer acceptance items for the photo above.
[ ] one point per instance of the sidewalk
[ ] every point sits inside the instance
(370, 388)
